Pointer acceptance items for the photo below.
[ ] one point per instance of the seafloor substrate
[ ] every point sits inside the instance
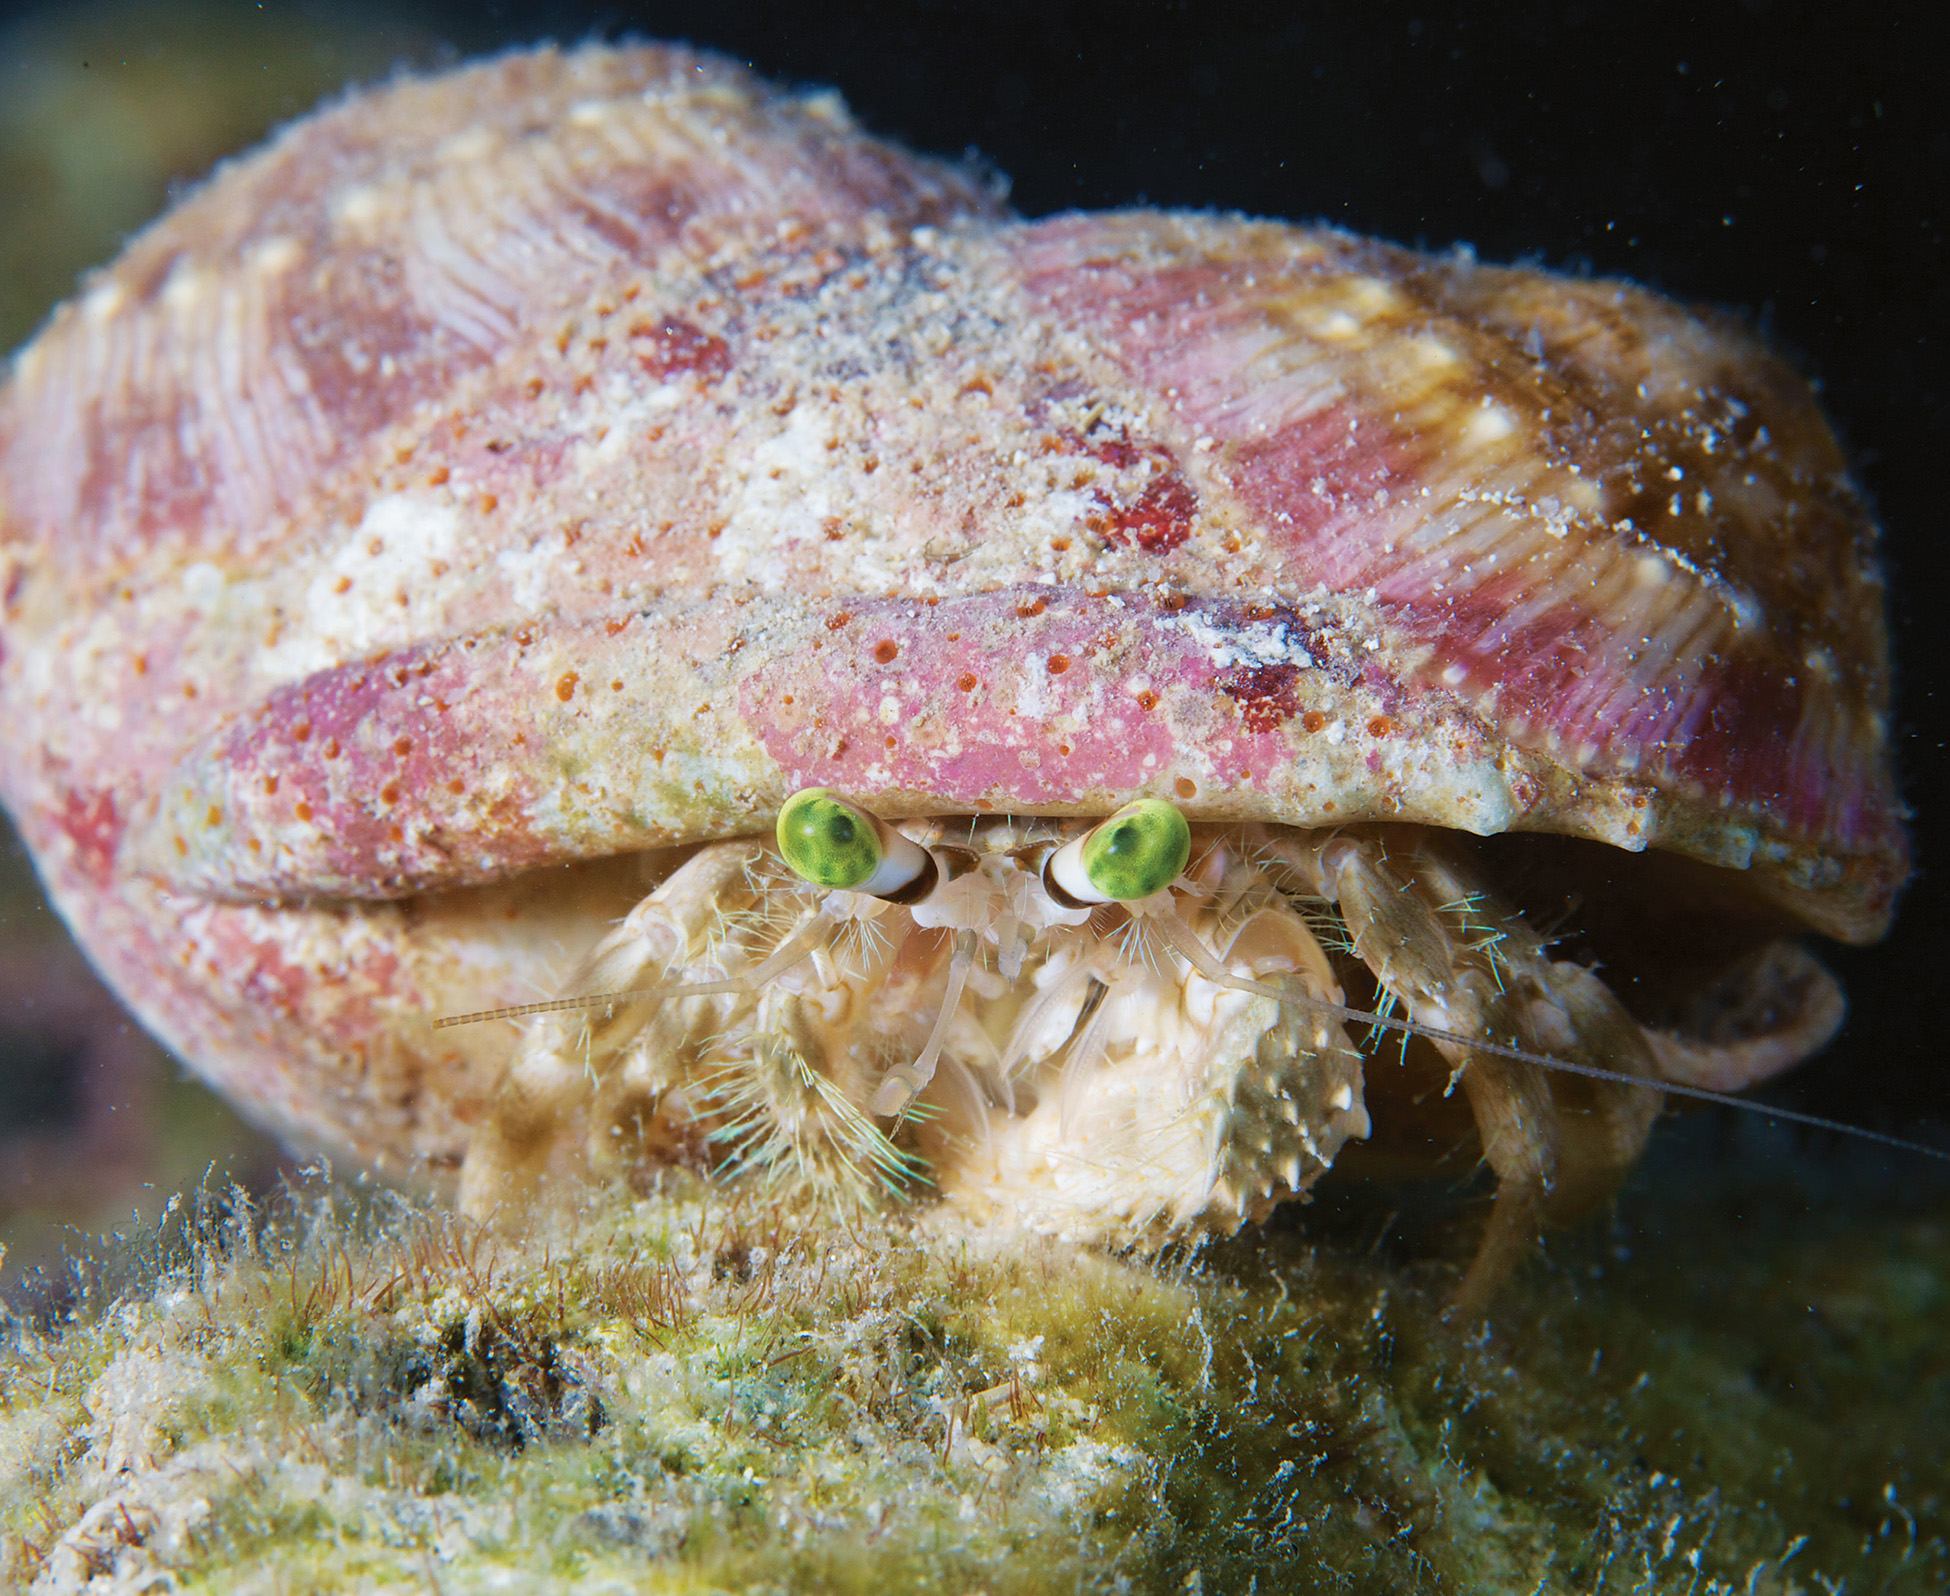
(1740, 1383)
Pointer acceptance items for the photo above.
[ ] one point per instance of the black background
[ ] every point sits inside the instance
(1786, 161)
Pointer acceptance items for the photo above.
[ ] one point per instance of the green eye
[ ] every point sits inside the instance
(827, 841)
(1140, 850)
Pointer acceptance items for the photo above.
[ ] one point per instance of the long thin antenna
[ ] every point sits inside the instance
(782, 958)
(1592, 1071)
(589, 1000)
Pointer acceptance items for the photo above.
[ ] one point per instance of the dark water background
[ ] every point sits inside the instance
(1790, 162)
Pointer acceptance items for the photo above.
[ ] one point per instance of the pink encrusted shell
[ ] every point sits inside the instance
(578, 452)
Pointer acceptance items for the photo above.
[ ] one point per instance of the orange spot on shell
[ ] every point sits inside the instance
(302, 811)
(389, 794)
(1313, 720)
(565, 686)
(966, 682)
(1185, 787)
(1383, 726)
(1058, 664)
(886, 651)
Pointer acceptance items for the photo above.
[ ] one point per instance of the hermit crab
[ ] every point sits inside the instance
(1012, 707)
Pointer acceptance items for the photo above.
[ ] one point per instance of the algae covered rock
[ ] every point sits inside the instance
(702, 1390)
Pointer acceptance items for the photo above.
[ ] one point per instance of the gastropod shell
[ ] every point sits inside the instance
(432, 556)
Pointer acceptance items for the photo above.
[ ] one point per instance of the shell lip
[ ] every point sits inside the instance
(457, 763)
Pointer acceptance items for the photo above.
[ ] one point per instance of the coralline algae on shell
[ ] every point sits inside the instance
(578, 452)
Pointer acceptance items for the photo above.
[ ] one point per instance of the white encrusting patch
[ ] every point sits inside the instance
(1578, 497)
(1031, 687)
(1491, 424)
(187, 285)
(1256, 643)
(1373, 296)
(203, 585)
(608, 422)
(1434, 353)
(353, 603)
(1060, 512)
(103, 301)
(527, 571)
(1746, 609)
(274, 256)
(357, 208)
(779, 500)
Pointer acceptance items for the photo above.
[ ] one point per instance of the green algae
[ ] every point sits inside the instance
(1727, 1389)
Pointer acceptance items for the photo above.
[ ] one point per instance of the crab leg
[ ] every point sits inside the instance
(563, 1056)
(1473, 966)
(1775, 1009)
(1413, 956)
(1564, 1011)
(904, 1083)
